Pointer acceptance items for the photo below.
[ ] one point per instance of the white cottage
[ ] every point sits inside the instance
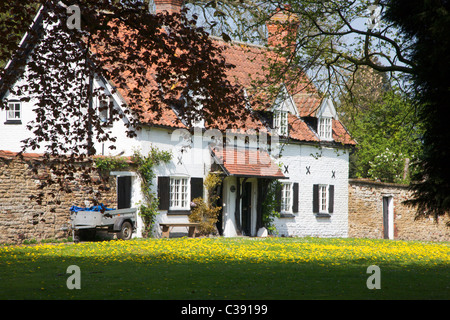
(299, 141)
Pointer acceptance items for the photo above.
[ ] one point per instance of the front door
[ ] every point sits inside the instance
(246, 208)
(123, 192)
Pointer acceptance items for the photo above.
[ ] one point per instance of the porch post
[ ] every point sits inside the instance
(237, 212)
(259, 199)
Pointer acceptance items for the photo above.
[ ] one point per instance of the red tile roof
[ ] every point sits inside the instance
(340, 134)
(307, 103)
(299, 130)
(5, 154)
(249, 62)
(244, 162)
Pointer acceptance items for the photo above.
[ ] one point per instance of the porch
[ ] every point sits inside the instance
(244, 189)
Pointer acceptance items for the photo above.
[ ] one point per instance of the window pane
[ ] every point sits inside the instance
(286, 197)
(325, 128)
(14, 111)
(323, 198)
(179, 193)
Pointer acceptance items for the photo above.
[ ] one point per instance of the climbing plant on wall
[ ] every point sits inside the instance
(145, 166)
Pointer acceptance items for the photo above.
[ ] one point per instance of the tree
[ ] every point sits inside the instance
(388, 136)
(333, 39)
(383, 121)
(159, 59)
(426, 24)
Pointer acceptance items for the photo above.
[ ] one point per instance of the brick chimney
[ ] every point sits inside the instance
(171, 6)
(282, 28)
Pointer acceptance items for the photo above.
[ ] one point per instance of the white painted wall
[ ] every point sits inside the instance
(321, 165)
(195, 161)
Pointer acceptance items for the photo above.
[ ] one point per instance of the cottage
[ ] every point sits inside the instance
(298, 141)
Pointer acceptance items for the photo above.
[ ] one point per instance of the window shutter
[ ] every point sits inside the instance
(163, 192)
(331, 198)
(278, 197)
(196, 188)
(295, 198)
(316, 198)
(123, 192)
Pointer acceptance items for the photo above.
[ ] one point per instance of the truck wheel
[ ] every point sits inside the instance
(125, 231)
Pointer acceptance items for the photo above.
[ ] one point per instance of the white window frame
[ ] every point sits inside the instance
(323, 198)
(11, 112)
(286, 197)
(179, 193)
(280, 122)
(325, 128)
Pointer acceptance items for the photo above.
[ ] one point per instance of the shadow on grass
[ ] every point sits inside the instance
(134, 278)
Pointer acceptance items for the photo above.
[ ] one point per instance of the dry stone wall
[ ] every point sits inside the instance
(366, 213)
(24, 219)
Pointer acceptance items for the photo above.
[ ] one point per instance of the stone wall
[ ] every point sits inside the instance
(366, 213)
(24, 219)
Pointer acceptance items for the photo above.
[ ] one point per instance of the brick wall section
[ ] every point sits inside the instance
(365, 210)
(24, 219)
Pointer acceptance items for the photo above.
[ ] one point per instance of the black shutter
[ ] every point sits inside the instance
(295, 198)
(278, 196)
(316, 198)
(163, 192)
(270, 119)
(123, 192)
(196, 188)
(331, 198)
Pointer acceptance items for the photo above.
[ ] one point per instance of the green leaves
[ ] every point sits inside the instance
(145, 166)
(388, 134)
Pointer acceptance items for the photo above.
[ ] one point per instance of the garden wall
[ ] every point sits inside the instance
(24, 219)
(366, 214)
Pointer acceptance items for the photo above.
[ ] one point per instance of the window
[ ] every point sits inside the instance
(323, 199)
(14, 112)
(176, 193)
(286, 197)
(280, 122)
(325, 128)
(104, 110)
(179, 194)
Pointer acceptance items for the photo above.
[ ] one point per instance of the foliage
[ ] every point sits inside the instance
(111, 163)
(427, 24)
(211, 183)
(148, 211)
(270, 205)
(207, 213)
(388, 133)
(145, 166)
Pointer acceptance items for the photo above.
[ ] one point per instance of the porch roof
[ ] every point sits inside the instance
(246, 162)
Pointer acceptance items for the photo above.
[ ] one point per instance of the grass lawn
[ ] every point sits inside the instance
(218, 268)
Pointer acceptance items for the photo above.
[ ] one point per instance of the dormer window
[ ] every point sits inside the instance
(280, 122)
(324, 127)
